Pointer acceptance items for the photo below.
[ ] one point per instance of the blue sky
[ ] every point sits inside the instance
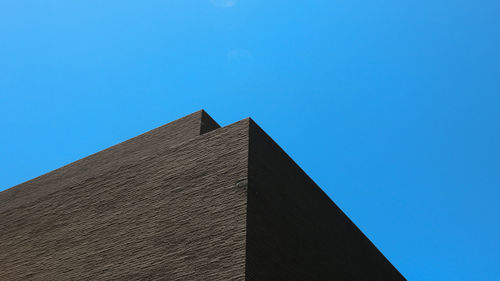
(392, 107)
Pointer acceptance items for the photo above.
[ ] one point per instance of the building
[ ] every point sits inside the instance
(186, 201)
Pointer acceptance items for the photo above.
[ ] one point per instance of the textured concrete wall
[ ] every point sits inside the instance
(127, 152)
(294, 231)
(186, 201)
(163, 206)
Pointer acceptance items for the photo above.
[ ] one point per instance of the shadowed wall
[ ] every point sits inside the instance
(294, 231)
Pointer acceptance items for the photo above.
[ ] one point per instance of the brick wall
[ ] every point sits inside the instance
(160, 207)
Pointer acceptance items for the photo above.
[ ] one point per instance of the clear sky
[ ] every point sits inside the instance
(392, 107)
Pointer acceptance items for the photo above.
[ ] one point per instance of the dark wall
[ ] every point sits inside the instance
(164, 206)
(294, 231)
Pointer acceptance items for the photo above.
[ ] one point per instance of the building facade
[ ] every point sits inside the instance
(186, 201)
